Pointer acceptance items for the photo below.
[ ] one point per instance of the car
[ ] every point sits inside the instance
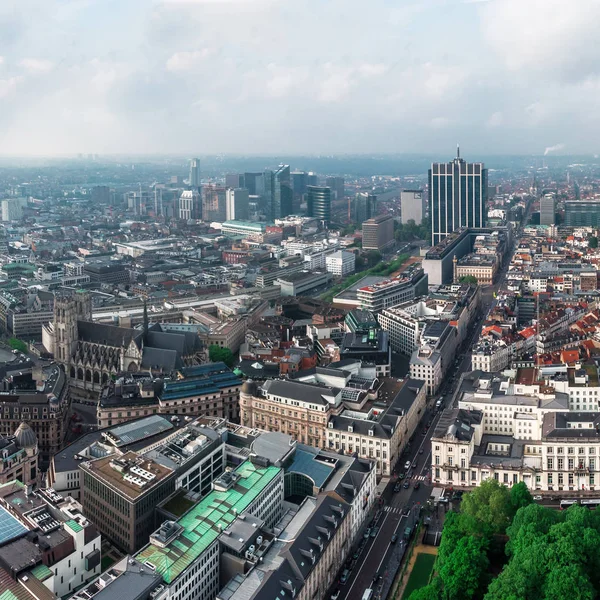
(538, 497)
(401, 476)
(397, 488)
(367, 533)
(345, 576)
(394, 539)
(406, 511)
(374, 532)
(406, 485)
(417, 485)
(336, 594)
(421, 451)
(356, 555)
(414, 465)
(407, 464)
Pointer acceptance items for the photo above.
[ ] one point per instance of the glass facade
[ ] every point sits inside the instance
(319, 203)
(457, 197)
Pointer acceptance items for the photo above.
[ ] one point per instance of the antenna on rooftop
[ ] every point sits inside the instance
(457, 150)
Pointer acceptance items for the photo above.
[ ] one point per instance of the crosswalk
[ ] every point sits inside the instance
(396, 511)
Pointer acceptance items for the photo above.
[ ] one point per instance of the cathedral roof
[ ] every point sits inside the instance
(108, 335)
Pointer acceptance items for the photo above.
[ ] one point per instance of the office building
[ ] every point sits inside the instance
(234, 180)
(373, 348)
(547, 210)
(101, 195)
(365, 207)
(299, 183)
(237, 202)
(457, 197)
(190, 206)
(318, 203)
(120, 493)
(253, 183)
(19, 456)
(412, 206)
(248, 229)
(582, 213)
(214, 204)
(11, 210)
(336, 185)
(378, 233)
(46, 538)
(297, 284)
(340, 263)
(186, 552)
(282, 194)
(195, 173)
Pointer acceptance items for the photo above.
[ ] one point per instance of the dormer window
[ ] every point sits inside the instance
(330, 425)
(350, 429)
(371, 433)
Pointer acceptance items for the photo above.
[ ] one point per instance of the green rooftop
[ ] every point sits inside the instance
(201, 523)
(74, 525)
(41, 572)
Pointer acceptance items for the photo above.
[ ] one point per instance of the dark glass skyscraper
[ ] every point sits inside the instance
(457, 197)
(282, 193)
(318, 203)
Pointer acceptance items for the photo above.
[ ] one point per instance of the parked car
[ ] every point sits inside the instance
(345, 576)
(421, 451)
(374, 532)
(538, 497)
(335, 594)
(356, 555)
(394, 539)
(407, 464)
(367, 533)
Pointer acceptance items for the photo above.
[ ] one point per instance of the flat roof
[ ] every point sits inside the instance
(138, 430)
(10, 527)
(201, 523)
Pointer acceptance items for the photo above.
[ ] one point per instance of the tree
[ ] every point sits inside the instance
(470, 279)
(593, 241)
(463, 573)
(218, 354)
(373, 257)
(520, 496)
(568, 581)
(428, 592)
(490, 504)
(17, 344)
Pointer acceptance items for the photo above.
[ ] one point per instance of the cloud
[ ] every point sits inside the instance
(439, 123)
(8, 87)
(36, 65)
(186, 61)
(555, 148)
(495, 120)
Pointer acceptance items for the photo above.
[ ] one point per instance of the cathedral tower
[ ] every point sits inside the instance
(68, 309)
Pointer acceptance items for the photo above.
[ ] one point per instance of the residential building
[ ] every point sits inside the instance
(381, 433)
(318, 203)
(378, 233)
(190, 205)
(457, 197)
(45, 537)
(237, 200)
(340, 263)
(412, 206)
(12, 210)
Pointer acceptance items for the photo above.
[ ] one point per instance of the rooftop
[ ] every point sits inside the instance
(201, 524)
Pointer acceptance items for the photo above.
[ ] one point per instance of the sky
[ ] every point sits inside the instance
(299, 77)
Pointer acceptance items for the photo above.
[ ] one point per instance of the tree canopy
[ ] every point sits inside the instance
(469, 279)
(218, 354)
(17, 344)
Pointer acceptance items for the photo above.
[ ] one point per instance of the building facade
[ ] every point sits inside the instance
(457, 197)
(318, 203)
(412, 205)
(378, 233)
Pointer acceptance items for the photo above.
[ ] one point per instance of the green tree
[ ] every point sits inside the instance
(373, 257)
(490, 504)
(520, 496)
(218, 354)
(531, 522)
(17, 344)
(593, 241)
(463, 572)
(470, 279)
(568, 581)
(428, 592)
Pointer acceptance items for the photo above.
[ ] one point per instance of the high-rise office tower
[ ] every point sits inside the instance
(195, 173)
(252, 184)
(282, 193)
(101, 195)
(337, 186)
(312, 179)
(412, 205)
(234, 180)
(318, 203)
(299, 182)
(189, 205)
(265, 187)
(237, 204)
(214, 203)
(457, 197)
(547, 210)
(378, 232)
(365, 206)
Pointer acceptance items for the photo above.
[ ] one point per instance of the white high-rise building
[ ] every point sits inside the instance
(340, 263)
(189, 205)
(236, 204)
(11, 210)
(412, 205)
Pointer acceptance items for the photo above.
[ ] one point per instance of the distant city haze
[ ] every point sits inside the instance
(252, 77)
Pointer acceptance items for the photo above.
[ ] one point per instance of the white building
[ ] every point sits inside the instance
(12, 210)
(189, 205)
(341, 263)
(236, 204)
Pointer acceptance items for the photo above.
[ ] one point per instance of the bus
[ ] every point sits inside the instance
(368, 594)
(566, 503)
(592, 503)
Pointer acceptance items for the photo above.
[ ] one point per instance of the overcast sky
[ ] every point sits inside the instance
(299, 76)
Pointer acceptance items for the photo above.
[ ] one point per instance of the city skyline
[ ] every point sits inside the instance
(137, 77)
